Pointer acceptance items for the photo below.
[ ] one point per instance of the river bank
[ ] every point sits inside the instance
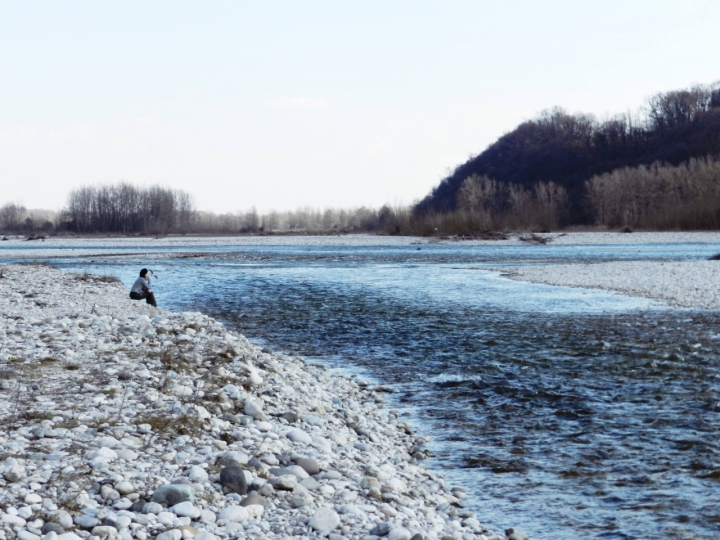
(684, 284)
(121, 421)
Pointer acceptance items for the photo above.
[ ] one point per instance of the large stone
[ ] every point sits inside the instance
(198, 474)
(298, 435)
(233, 478)
(186, 509)
(399, 533)
(237, 514)
(309, 465)
(172, 494)
(324, 520)
(152, 508)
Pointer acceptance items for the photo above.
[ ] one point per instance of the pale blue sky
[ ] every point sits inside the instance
(281, 104)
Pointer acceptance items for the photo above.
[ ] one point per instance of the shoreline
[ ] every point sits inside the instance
(679, 284)
(123, 421)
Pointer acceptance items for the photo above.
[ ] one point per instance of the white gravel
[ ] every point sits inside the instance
(686, 284)
(120, 421)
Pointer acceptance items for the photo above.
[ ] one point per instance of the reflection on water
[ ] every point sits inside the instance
(567, 413)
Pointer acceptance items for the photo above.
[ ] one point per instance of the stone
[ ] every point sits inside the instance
(238, 514)
(234, 459)
(68, 536)
(417, 536)
(64, 519)
(309, 465)
(54, 527)
(124, 487)
(291, 417)
(324, 520)
(207, 516)
(299, 436)
(205, 535)
(198, 474)
(27, 535)
(254, 498)
(233, 478)
(33, 498)
(104, 531)
(186, 509)
(294, 470)
(152, 508)
(286, 482)
(86, 522)
(172, 494)
(254, 409)
(173, 534)
(310, 483)
(381, 529)
(399, 533)
(126, 454)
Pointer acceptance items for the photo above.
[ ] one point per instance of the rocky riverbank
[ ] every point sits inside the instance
(684, 284)
(118, 420)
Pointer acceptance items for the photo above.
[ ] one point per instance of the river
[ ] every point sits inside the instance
(566, 413)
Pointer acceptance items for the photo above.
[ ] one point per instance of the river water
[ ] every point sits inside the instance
(566, 413)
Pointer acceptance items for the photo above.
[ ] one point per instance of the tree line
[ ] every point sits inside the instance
(567, 150)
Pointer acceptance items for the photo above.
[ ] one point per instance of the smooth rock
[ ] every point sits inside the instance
(186, 509)
(238, 514)
(173, 534)
(299, 436)
(287, 482)
(86, 522)
(324, 520)
(399, 533)
(254, 409)
(54, 527)
(172, 494)
(152, 508)
(254, 498)
(236, 459)
(124, 487)
(198, 474)
(381, 529)
(233, 478)
(309, 465)
(294, 470)
(205, 535)
(27, 535)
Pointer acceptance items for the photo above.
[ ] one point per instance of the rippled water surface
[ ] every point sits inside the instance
(567, 413)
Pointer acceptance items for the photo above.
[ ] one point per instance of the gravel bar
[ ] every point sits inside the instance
(683, 284)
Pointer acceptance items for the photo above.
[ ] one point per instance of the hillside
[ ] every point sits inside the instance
(569, 149)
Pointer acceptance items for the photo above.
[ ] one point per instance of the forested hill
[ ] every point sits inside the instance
(569, 149)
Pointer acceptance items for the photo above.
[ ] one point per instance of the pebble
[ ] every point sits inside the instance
(238, 514)
(324, 520)
(233, 478)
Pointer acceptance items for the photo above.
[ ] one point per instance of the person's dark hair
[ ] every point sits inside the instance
(143, 272)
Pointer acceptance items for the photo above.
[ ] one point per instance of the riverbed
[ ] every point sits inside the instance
(566, 411)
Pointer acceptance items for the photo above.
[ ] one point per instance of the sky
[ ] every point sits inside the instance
(285, 104)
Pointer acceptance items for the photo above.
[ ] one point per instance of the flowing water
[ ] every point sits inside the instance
(567, 413)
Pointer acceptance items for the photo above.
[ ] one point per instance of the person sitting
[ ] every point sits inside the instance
(141, 288)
